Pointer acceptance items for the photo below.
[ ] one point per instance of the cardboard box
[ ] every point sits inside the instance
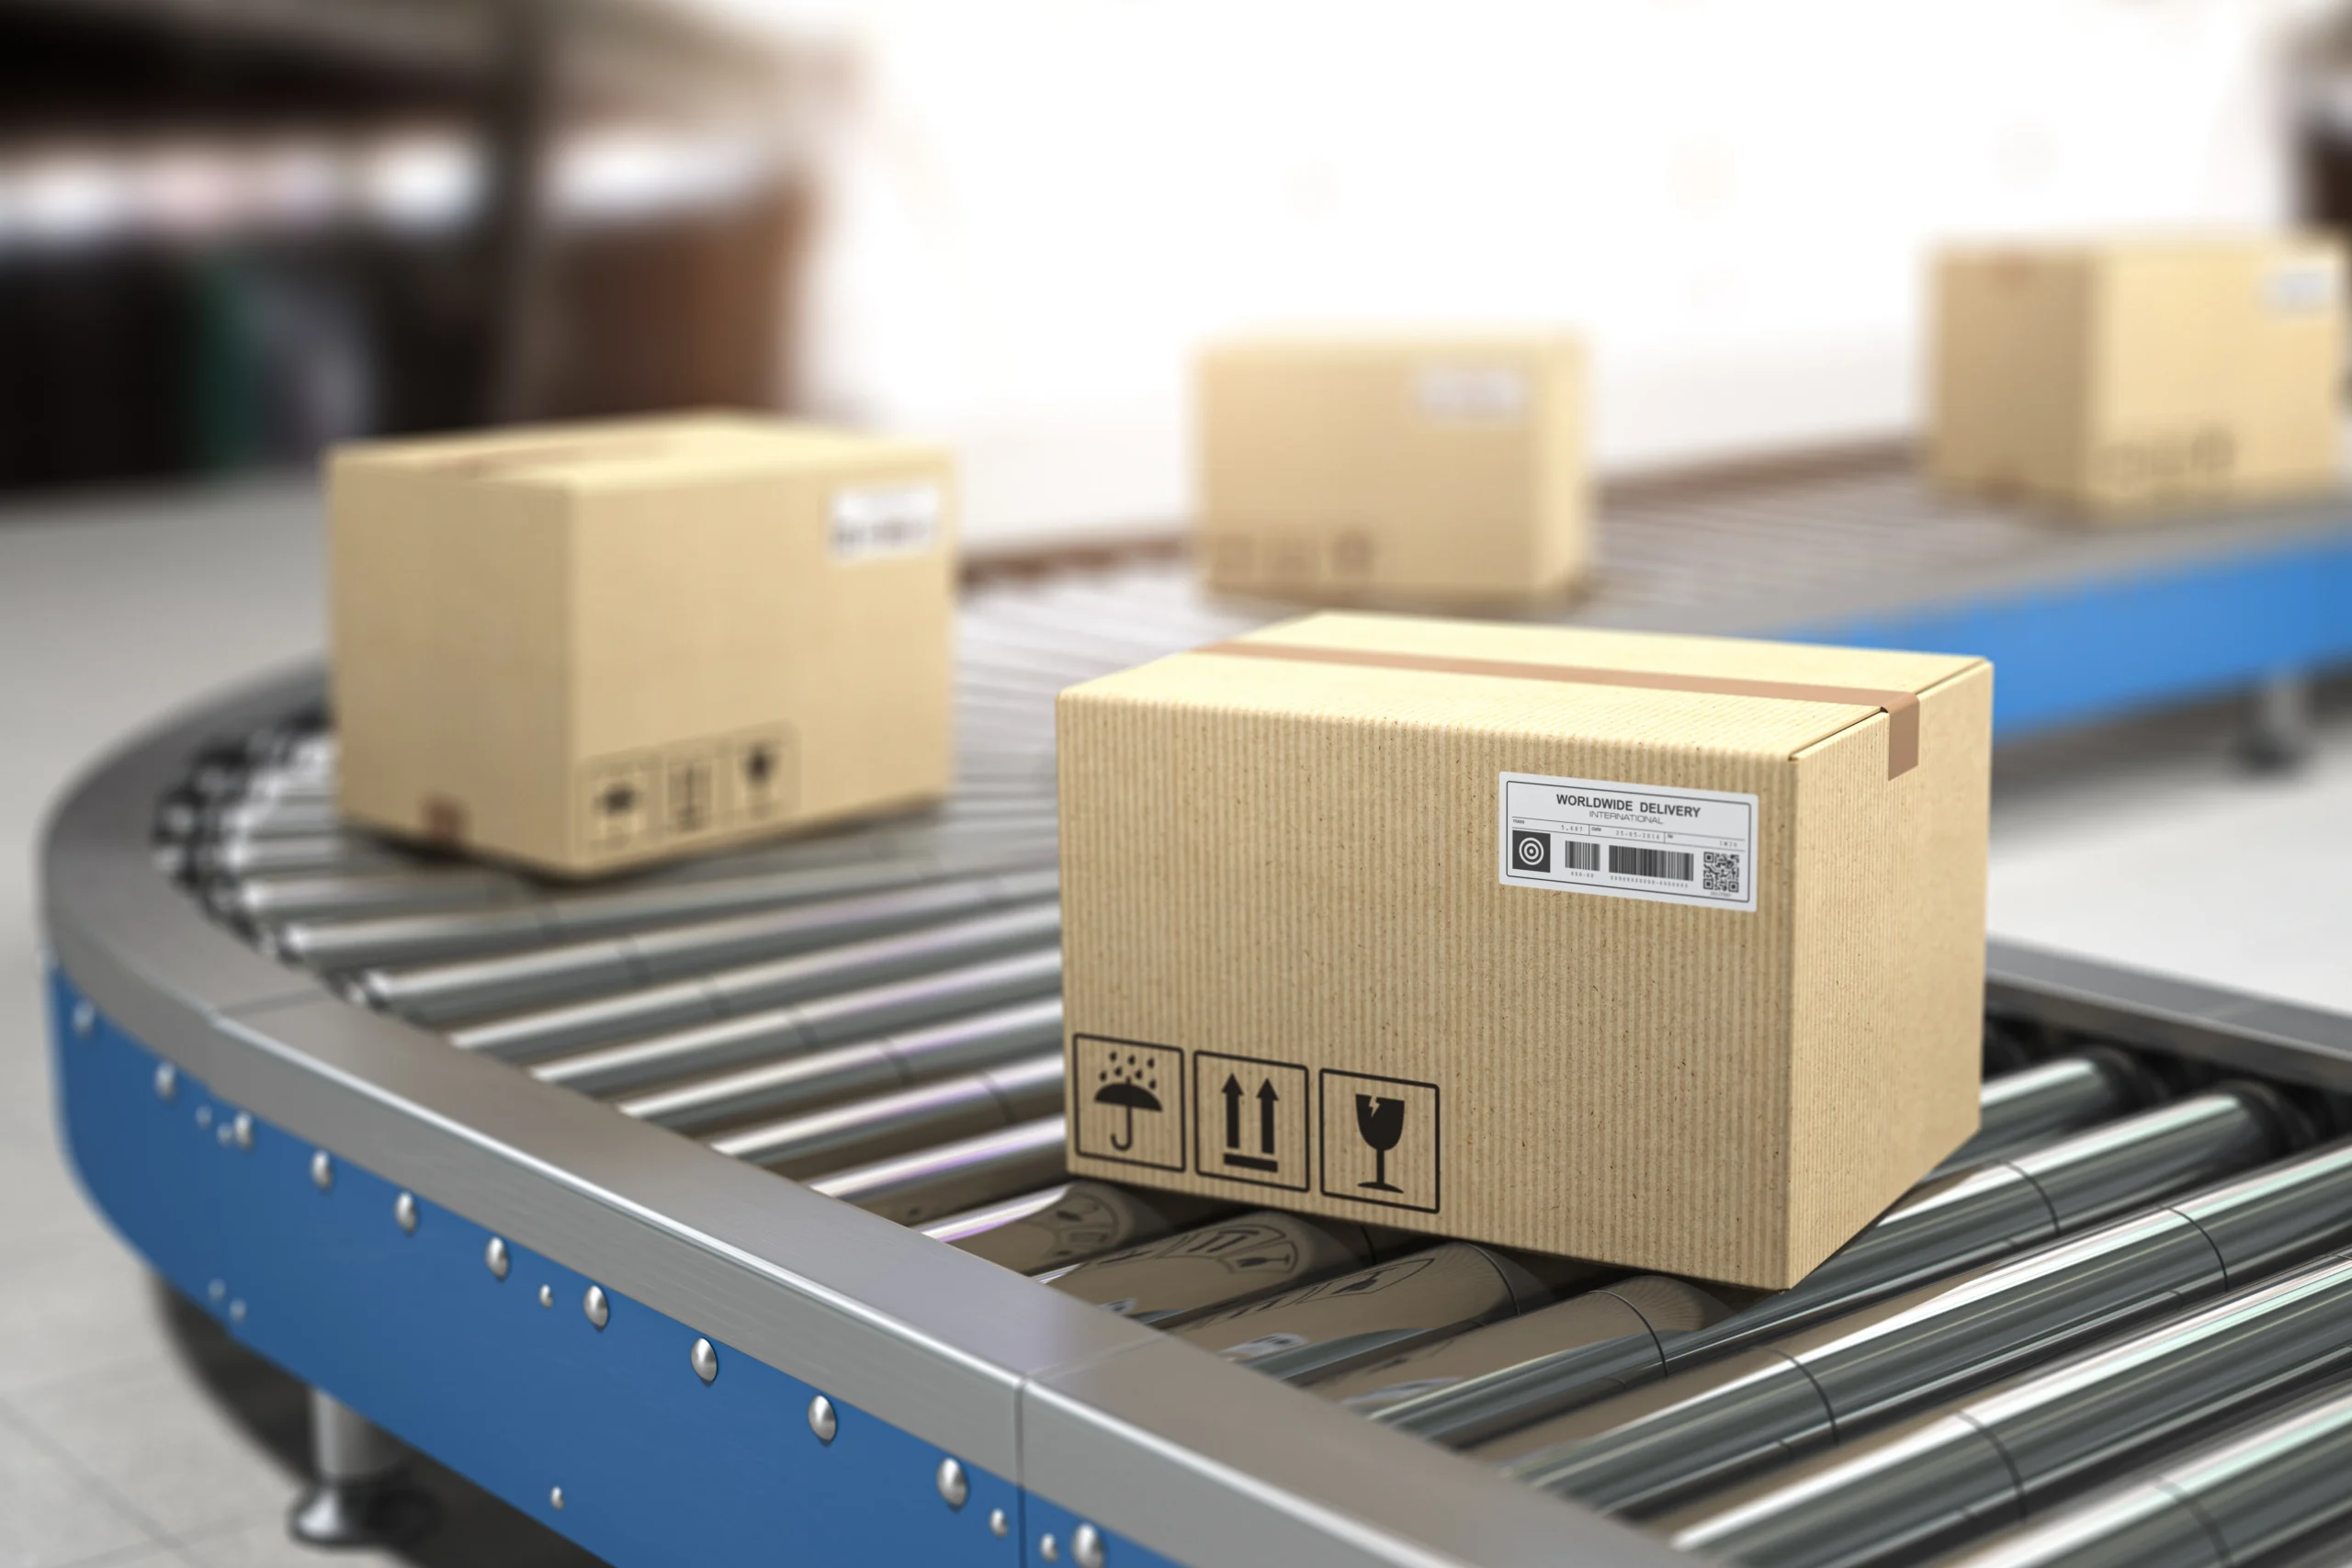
(2120, 378)
(1662, 952)
(589, 647)
(1439, 469)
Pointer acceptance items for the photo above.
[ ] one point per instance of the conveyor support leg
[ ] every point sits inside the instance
(2278, 731)
(359, 1496)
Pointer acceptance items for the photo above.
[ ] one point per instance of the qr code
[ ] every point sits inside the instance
(1721, 872)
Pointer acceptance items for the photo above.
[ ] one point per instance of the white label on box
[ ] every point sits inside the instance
(885, 520)
(1672, 846)
(1472, 392)
(2299, 288)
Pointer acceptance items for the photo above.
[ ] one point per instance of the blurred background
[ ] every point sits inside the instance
(233, 231)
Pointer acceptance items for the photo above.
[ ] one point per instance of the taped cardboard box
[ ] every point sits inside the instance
(1662, 952)
(590, 646)
(2120, 379)
(1439, 470)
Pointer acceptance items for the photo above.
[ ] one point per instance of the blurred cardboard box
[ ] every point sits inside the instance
(1662, 952)
(1437, 469)
(2129, 376)
(588, 646)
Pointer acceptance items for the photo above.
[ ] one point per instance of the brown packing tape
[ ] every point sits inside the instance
(1901, 709)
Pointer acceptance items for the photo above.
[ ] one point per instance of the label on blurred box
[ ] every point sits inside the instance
(885, 520)
(1675, 846)
(1472, 392)
(2300, 286)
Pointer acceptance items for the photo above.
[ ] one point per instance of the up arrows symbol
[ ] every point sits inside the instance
(1267, 1098)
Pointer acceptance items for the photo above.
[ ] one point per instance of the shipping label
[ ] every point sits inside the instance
(885, 520)
(1628, 840)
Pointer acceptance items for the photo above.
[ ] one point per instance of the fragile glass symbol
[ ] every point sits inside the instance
(1382, 1122)
(1127, 1084)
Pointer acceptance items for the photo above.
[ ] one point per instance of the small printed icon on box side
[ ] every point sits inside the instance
(1379, 1140)
(1128, 1101)
(1250, 1120)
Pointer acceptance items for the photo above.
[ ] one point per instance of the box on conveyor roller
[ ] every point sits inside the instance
(1662, 951)
(2117, 378)
(588, 646)
(1439, 470)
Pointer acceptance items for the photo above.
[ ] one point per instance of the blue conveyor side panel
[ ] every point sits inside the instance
(415, 1332)
(2106, 646)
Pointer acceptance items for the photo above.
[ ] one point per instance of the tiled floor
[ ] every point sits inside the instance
(132, 1433)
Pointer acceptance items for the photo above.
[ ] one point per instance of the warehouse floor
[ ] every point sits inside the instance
(132, 1433)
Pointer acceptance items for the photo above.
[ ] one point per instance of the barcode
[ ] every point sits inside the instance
(1672, 865)
(1580, 855)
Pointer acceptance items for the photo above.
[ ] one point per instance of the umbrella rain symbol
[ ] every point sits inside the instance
(1128, 1083)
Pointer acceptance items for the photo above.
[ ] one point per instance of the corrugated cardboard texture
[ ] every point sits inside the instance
(590, 646)
(1285, 871)
(1437, 469)
(2126, 378)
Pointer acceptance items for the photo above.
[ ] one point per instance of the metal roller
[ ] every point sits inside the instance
(776, 1032)
(259, 902)
(343, 944)
(1706, 1428)
(1619, 1331)
(1336, 1325)
(536, 1035)
(1249, 1255)
(446, 993)
(1936, 1482)
(898, 1122)
(824, 1077)
(1941, 1228)
(933, 1183)
(2035, 1103)
(1066, 1223)
(2267, 1485)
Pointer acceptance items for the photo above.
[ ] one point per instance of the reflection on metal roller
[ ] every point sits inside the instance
(846, 1015)
(1249, 1255)
(449, 992)
(2265, 1486)
(534, 1036)
(931, 1184)
(1066, 1223)
(1334, 1326)
(1933, 1484)
(843, 1072)
(1617, 1332)
(1711, 1426)
(915, 1118)
(1943, 1227)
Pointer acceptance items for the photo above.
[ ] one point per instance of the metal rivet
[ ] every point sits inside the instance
(204, 1116)
(85, 1018)
(404, 1212)
(953, 1487)
(555, 1498)
(218, 1289)
(1048, 1548)
(547, 1295)
(822, 1419)
(242, 1129)
(495, 1255)
(222, 1133)
(322, 1169)
(599, 1310)
(704, 1359)
(1086, 1547)
(237, 1311)
(998, 1524)
(167, 1082)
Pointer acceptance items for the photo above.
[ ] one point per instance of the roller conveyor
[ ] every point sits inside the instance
(778, 1133)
